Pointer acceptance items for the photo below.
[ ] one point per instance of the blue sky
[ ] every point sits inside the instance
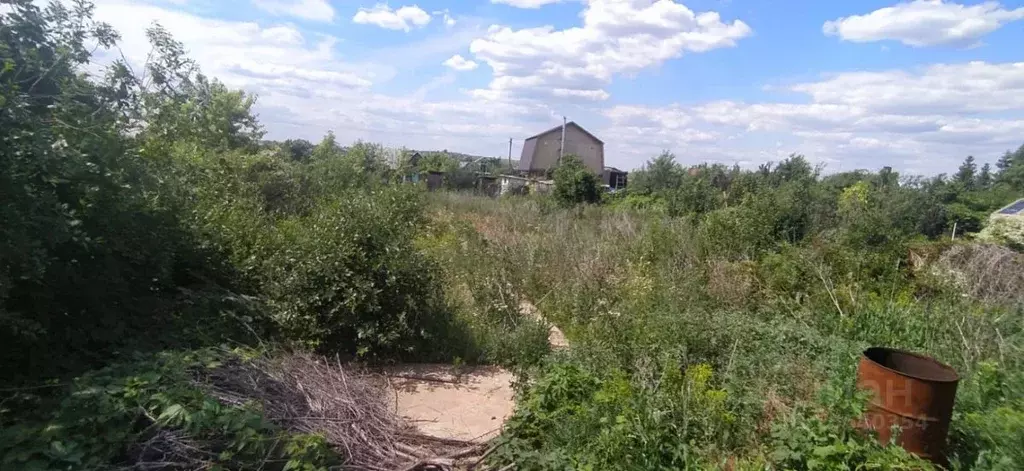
(850, 84)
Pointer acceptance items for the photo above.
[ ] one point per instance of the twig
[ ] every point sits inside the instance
(425, 378)
(484, 456)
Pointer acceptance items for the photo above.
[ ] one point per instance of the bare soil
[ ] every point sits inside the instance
(442, 401)
(458, 403)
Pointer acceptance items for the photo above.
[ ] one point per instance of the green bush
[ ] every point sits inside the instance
(807, 441)
(575, 183)
(150, 412)
(347, 277)
(95, 259)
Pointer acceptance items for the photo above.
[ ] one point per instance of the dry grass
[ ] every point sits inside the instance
(992, 274)
(351, 408)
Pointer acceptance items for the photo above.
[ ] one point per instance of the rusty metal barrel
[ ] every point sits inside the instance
(912, 392)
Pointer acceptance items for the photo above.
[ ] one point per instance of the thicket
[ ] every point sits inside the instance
(716, 315)
(144, 221)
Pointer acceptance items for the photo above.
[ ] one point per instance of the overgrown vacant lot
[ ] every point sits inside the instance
(687, 355)
(177, 293)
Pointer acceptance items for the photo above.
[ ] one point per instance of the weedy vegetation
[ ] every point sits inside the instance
(172, 285)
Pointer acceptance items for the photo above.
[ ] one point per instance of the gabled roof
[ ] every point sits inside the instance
(559, 128)
(613, 169)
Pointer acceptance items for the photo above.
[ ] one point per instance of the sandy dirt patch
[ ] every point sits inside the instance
(465, 403)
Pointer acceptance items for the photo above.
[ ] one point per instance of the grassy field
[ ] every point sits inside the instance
(684, 355)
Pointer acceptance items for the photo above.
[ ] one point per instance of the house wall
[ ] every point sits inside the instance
(512, 185)
(577, 142)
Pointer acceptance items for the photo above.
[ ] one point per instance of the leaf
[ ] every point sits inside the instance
(173, 414)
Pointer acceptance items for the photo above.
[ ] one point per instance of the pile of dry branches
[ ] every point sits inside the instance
(350, 408)
(989, 273)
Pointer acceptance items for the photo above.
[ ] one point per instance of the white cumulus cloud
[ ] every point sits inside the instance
(460, 63)
(925, 23)
(525, 3)
(306, 87)
(314, 10)
(616, 37)
(404, 18)
(925, 120)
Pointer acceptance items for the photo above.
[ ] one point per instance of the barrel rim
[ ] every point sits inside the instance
(954, 377)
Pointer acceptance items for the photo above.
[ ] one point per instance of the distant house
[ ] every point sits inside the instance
(542, 151)
(614, 178)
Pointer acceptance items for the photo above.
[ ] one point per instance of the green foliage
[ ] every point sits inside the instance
(346, 277)
(990, 425)
(775, 318)
(806, 441)
(482, 287)
(658, 175)
(575, 183)
(94, 257)
(706, 307)
(140, 214)
(1007, 231)
(136, 412)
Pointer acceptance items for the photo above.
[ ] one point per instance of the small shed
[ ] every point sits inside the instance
(543, 186)
(487, 184)
(614, 178)
(513, 184)
(435, 180)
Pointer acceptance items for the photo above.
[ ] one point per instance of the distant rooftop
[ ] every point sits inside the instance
(1013, 209)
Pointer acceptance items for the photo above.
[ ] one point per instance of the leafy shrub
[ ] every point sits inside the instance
(608, 420)
(1008, 231)
(347, 277)
(988, 424)
(149, 412)
(95, 259)
(575, 183)
(807, 441)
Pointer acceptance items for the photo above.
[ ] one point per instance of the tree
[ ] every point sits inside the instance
(575, 183)
(327, 148)
(984, 179)
(174, 102)
(97, 233)
(298, 150)
(659, 174)
(1004, 162)
(438, 162)
(1012, 169)
(966, 174)
(887, 178)
(794, 168)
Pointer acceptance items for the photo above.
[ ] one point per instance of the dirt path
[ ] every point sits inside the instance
(555, 336)
(465, 403)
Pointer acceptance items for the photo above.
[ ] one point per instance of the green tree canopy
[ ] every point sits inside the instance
(575, 183)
